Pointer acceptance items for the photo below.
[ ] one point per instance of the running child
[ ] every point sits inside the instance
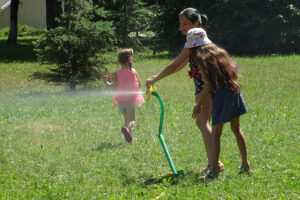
(127, 94)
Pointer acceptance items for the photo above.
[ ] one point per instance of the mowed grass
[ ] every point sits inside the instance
(61, 145)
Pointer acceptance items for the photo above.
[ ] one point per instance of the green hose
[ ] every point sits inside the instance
(161, 137)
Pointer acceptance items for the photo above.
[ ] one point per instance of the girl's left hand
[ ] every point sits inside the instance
(196, 111)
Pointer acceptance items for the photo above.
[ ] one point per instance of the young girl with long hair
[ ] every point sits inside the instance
(191, 18)
(220, 76)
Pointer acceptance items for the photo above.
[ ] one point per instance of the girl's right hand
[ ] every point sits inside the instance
(150, 81)
(196, 111)
(106, 77)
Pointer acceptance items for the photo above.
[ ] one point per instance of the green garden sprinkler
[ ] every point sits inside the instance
(151, 91)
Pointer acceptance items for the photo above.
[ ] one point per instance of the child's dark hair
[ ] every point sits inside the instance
(218, 68)
(193, 15)
(124, 56)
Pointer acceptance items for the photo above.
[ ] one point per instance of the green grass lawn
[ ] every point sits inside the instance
(62, 145)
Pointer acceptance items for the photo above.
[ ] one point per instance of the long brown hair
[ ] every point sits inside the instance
(218, 68)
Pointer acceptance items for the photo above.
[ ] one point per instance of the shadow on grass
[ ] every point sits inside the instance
(106, 145)
(20, 52)
(168, 178)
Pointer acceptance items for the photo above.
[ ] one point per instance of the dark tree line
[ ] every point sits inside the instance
(245, 27)
(80, 33)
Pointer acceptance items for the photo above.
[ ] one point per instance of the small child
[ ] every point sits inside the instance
(127, 95)
(219, 73)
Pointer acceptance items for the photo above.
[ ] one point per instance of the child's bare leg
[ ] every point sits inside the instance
(202, 122)
(124, 113)
(240, 139)
(216, 135)
(126, 129)
(130, 118)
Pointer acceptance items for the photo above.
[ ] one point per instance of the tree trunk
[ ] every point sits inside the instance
(14, 6)
(125, 24)
(72, 86)
(53, 10)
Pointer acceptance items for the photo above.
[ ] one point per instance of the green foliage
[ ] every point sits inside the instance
(165, 24)
(255, 26)
(4, 32)
(23, 30)
(75, 47)
(243, 27)
(127, 16)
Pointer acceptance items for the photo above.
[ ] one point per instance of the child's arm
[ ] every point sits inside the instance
(205, 92)
(138, 78)
(171, 68)
(182, 65)
(112, 84)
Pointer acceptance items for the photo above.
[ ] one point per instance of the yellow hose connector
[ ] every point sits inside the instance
(148, 94)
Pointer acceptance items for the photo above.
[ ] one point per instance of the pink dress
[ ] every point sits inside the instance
(127, 93)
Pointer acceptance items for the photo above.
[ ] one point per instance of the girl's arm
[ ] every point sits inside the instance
(138, 78)
(178, 63)
(112, 84)
(205, 92)
(182, 65)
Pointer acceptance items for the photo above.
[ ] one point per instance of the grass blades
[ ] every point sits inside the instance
(61, 145)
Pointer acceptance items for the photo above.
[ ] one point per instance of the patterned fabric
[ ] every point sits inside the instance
(196, 37)
(195, 74)
(127, 94)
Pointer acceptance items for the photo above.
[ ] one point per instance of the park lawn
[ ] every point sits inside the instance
(62, 145)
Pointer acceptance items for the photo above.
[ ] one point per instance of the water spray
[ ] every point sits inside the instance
(152, 91)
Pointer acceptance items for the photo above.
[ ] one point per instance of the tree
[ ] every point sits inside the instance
(128, 16)
(75, 47)
(13, 31)
(53, 11)
(245, 27)
(165, 24)
(253, 27)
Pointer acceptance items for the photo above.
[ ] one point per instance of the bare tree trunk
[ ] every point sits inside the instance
(14, 6)
(53, 10)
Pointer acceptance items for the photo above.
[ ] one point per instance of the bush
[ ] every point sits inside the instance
(23, 30)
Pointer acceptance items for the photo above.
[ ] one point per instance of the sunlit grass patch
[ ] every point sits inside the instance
(61, 145)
